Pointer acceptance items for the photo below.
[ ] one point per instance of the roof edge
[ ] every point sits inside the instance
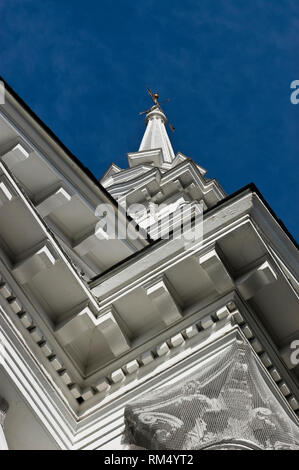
(249, 187)
(65, 149)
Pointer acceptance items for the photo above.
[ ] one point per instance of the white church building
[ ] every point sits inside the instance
(170, 320)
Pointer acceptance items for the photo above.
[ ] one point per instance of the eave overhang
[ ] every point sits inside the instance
(48, 171)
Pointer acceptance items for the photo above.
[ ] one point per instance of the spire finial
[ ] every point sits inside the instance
(155, 97)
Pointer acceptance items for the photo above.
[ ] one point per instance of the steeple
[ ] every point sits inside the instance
(155, 135)
(155, 147)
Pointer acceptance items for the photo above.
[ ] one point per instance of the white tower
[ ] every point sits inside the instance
(156, 136)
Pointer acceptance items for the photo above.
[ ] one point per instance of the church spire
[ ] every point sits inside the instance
(155, 136)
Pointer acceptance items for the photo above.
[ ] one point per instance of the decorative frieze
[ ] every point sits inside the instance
(160, 351)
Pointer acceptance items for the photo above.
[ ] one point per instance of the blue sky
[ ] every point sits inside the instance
(226, 65)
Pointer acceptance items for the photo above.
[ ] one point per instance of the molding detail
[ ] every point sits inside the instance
(7, 193)
(159, 351)
(44, 258)
(256, 279)
(112, 331)
(178, 341)
(36, 334)
(16, 154)
(161, 293)
(85, 320)
(90, 241)
(79, 322)
(56, 198)
(115, 337)
(217, 272)
(228, 387)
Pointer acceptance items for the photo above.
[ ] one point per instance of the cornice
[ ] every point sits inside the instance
(249, 205)
(86, 392)
(128, 187)
(182, 333)
(80, 431)
(34, 386)
(49, 236)
(165, 252)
